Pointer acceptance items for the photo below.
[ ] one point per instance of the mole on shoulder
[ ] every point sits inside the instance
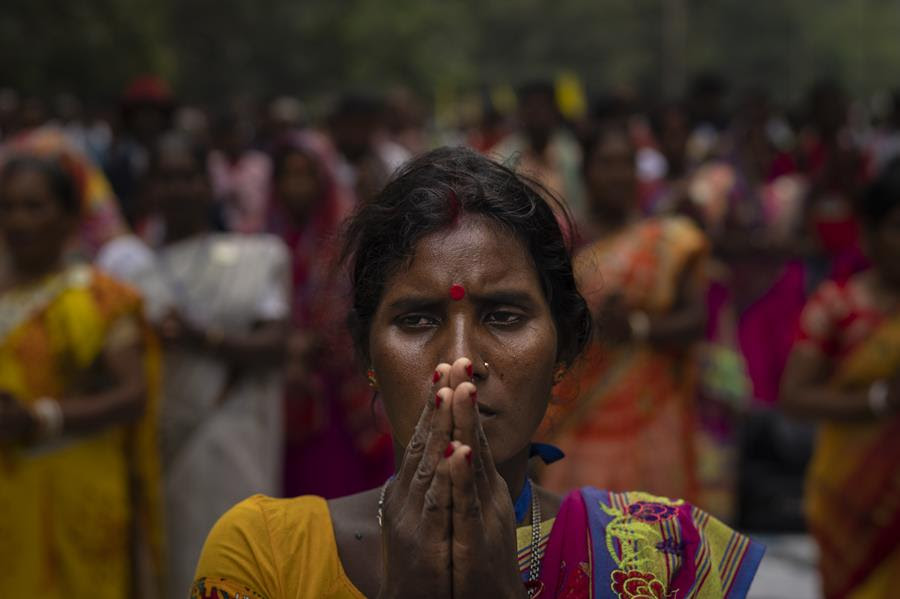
(358, 535)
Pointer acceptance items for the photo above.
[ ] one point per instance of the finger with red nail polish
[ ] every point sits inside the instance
(459, 372)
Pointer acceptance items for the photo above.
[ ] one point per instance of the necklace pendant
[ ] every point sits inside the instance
(534, 588)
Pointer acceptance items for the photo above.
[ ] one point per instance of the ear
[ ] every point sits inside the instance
(360, 340)
(559, 373)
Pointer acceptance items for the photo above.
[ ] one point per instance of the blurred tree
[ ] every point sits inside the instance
(90, 47)
(310, 48)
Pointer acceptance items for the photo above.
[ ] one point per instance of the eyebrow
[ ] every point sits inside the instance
(502, 296)
(413, 302)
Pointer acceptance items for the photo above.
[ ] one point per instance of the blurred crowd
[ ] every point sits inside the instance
(725, 244)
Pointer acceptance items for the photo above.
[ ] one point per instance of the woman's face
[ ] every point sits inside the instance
(298, 183)
(612, 177)
(33, 222)
(503, 320)
(180, 188)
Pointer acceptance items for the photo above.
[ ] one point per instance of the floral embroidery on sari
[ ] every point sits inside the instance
(635, 538)
(637, 585)
(652, 512)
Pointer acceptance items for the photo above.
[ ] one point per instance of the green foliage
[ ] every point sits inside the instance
(89, 47)
(214, 48)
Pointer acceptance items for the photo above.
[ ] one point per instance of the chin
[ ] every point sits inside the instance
(502, 451)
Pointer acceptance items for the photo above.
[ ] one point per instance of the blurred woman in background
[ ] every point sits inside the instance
(333, 446)
(631, 401)
(79, 477)
(844, 372)
(225, 336)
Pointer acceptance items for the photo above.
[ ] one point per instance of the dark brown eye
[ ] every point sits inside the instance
(504, 318)
(417, 321)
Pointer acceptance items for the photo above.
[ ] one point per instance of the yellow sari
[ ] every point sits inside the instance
(81, 517)
(853, 484)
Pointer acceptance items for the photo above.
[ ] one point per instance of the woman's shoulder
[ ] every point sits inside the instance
(91, 299)
(249, 547)
(669, 543)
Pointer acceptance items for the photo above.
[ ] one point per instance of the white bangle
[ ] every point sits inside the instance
(878, 398)
(639, 322)
(49, 416)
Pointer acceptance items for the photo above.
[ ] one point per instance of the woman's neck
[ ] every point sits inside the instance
(180, 233)
(20, 275)
(515, 472)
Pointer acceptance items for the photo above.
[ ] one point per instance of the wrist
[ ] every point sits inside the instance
(47, 416)
(878, 399)
(639, 323)
(213, 338)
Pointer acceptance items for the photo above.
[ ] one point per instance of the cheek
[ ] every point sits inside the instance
(404, 369)
(525, 369)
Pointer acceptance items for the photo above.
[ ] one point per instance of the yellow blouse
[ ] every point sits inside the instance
(285, 549)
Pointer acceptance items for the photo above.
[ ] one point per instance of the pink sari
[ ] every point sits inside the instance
(636, 546)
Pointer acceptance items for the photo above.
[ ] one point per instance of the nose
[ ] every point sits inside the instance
(465, 342)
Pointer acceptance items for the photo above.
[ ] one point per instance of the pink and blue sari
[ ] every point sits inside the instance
(637, 546)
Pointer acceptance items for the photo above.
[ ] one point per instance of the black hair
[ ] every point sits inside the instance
(61, 183)
(881, 197)
(429, 194)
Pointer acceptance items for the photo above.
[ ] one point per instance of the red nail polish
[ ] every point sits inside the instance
(469, 458)
(436, 377)
(474, 397)
(449, 450)
(437, 401)
(469, 370)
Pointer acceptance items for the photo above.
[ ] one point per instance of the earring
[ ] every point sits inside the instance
(558, 374)
(373, 382)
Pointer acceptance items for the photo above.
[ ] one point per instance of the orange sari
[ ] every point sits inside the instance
(627, 417)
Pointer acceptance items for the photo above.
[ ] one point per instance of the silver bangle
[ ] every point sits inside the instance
(639, 322)
(49, 416)
(878, 398)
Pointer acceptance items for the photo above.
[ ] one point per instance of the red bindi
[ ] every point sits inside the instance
(457, 292)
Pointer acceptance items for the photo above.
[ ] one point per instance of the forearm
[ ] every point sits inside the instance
(122, 404)
(262, 347)
(824, 403)
(678, 328)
